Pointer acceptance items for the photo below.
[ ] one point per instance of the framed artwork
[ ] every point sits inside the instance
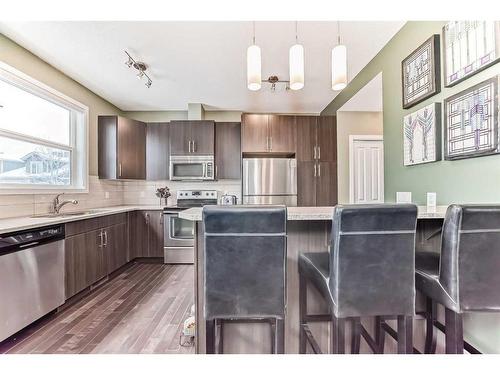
(421, 73)
(471, 121)
(469, 47)
(422, 135)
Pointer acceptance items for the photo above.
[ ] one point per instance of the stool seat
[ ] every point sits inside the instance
(427, 278)
(315, 266)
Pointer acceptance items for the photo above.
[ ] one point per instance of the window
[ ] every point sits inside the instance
(43, 136)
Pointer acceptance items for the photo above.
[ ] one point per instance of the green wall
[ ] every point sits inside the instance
(461, 181)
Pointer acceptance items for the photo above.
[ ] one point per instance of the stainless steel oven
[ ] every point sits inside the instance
(178, 236)
(192, 168)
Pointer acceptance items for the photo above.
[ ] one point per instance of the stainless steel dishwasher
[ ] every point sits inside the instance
(31, 276)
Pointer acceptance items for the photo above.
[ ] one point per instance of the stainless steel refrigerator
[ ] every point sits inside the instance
(270, 181)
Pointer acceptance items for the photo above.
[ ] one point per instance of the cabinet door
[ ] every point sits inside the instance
(327, 138)
(131, 149)
(254, 133)
(115, 244)
(138, 235)
(282, 134)
(106, 147)
(154, 221)
(202, 137)
(306, 136)
(326, 184)
(228, 150)
(180, 137)
(306, 183)
(157, 151)
(85, 261)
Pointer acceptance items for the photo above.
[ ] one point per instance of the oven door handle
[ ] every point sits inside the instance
(204, 170)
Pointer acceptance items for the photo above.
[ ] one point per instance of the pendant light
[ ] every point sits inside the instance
(339, 64)
(296, 64)
(254, 80)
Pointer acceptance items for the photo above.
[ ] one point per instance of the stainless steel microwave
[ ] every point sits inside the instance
(192, 168)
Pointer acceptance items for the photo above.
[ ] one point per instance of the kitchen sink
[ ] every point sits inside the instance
(66, 214)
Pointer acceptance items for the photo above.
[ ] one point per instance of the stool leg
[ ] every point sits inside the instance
(431, 330)
(454, 332)
(279, 337)
(210, 336)
(337, 335)
(379, 334)
(405, 334)
(356, 335)
(302, 313)
(219, 336)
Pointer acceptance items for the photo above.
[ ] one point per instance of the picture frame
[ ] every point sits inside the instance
(422, 135)
(421, 73)
(469, 47)
(471, 121)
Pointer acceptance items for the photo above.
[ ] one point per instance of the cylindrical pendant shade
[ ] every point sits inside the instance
(339, 67)
(254, 79)
(296, 64)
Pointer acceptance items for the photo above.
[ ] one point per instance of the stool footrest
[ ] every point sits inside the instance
(310, 338)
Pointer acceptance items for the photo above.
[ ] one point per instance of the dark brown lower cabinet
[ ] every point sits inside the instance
(306, 183)
(146, 234)
(316, 183)
(85, 261)
(116, 246)
(93, 249)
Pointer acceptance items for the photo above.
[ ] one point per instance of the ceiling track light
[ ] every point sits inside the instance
(140, 67)
(274, 80)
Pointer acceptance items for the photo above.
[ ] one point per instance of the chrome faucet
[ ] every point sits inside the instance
(56, 205)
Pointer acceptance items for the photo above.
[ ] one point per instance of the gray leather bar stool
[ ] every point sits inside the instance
(368, 272)
(465, 275)
(245, 260)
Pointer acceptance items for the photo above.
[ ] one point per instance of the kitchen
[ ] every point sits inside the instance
(116, 207)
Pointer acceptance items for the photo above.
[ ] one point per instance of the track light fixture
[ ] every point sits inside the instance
(140, 67)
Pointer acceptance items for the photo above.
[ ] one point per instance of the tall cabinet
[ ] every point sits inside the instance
(316, 160)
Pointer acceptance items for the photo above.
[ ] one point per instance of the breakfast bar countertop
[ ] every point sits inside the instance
(318, 213)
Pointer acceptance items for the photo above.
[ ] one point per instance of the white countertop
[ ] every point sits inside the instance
(21, 223)
(319, 213)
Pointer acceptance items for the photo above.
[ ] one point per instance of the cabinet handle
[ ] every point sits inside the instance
(271, 143)
(319, 170)
(189, 146)
(105, 238)
(319, 152)
(194, 146)
(315, 170)
(119, 169)
(267, 143)
(314, 153)
(100, 236)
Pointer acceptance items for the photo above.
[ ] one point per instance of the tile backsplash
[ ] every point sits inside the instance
(105, 193)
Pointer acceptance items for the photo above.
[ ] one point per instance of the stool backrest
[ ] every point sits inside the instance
(245, 260)
(372, 259)
(470, 256)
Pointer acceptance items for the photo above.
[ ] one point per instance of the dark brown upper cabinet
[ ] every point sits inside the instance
(192, 137)
(121, 148)
(263, 133)
(306, 134)
(228, 150)
(282, 134)
(254, 133)
(327, 138)
(157, 151)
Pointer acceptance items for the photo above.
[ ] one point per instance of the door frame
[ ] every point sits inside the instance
(352, 139)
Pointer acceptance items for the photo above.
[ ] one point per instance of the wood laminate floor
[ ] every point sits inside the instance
(139, 311)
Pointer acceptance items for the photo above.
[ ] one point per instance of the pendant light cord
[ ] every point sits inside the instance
(253, 23)
(338, 32)
(296, 32)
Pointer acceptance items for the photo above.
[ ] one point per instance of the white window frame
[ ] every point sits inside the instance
(79, 135)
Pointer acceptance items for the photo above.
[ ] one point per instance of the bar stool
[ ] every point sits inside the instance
(245, 259)
(464, 276)
(368, 272)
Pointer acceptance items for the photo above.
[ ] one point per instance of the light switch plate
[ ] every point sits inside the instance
(403, 197)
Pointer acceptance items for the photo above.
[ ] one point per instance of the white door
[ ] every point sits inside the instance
(366, 169)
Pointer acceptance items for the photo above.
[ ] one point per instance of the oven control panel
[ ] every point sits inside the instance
(196, 194)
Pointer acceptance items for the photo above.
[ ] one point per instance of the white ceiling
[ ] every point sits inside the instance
(369, 98)
(199, 62)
